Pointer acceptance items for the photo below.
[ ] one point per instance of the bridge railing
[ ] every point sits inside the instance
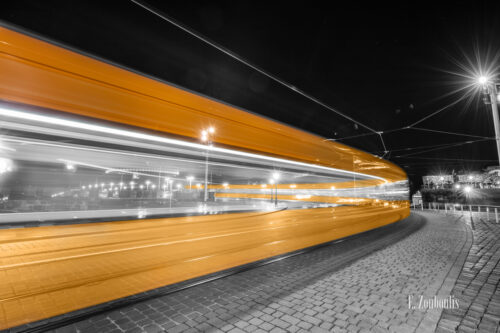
(490, 211)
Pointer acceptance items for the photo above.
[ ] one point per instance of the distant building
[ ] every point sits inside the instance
(416, 200)
(490, 178)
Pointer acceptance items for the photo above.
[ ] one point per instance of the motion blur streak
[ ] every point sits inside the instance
(75, 266)
(139, 200)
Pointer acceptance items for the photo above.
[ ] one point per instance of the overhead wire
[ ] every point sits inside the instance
(240, 59)
(426, 146)
(282, 82)
(450, 159)
(440, 148)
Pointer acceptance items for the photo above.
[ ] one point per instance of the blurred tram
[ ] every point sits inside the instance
(132, 183)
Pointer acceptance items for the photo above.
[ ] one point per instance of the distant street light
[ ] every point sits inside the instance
(276, 177)
(206, 138)
(190, 179)
(490, 89)
(171, 183)
(271, 181)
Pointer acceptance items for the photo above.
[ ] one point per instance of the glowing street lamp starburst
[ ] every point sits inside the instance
(482, 80)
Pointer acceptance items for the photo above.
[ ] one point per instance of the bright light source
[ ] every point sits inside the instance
(204, 133)
(83, 187)
(470, 177)
(211, 130)
(70, 167)
(190, 178)
(148, 182)
(293, 186)
(467, 189)
(178, 185)
(441, 179)
(225, 184)
(332, 188)
(482, 79)
(457, 186)
(141, 186)
(153, 186)
(271, 181)
(276, 175)
(5, 165)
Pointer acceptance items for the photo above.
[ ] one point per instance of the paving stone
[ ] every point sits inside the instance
(476, 284)
(358, 285)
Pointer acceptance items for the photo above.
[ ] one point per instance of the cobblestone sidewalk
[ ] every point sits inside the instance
(478, 286)
(360, 285)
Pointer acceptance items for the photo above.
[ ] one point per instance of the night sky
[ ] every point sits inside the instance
(386, 66)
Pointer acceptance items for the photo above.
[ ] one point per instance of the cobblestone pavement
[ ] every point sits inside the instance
(359, 285)
(478, 286)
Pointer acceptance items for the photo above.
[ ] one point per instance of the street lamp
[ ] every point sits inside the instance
(490, 90)
(271, 181)
(482, 79)
(190, 179)
(276, 177)
(170, 182)
(206, 138)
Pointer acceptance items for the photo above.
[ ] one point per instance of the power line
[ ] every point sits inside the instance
(447, 159)
(440, 110)
(451, 133)
(423, 147)
(444, 147)
(275, 78)
(247, 63)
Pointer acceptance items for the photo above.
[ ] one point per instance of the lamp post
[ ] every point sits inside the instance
(276, 177)
(190, 179)
(170, 182)
(206, 137)
(271, 182)
(490, 89)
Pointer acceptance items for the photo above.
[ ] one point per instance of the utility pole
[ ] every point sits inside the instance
(206, 137)
(490, 91)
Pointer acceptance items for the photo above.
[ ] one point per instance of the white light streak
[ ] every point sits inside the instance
(7, 112)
